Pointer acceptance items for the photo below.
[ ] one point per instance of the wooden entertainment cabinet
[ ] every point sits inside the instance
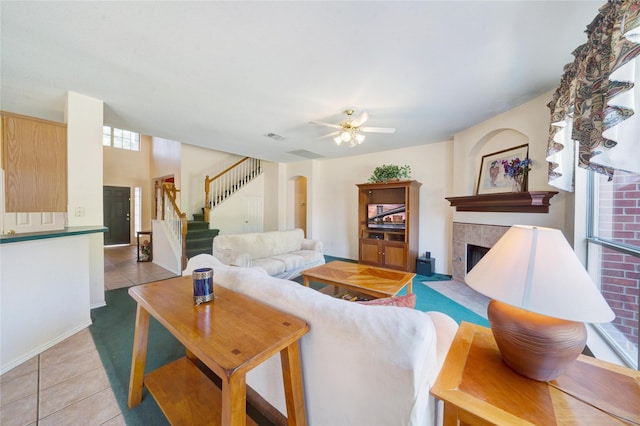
(395, 245)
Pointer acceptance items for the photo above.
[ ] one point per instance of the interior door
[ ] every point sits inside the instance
(117, 215)
(253, 215)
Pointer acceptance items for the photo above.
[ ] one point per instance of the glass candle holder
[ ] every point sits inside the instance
(202, 285)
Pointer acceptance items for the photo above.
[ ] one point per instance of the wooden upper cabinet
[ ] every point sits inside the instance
(34, 159)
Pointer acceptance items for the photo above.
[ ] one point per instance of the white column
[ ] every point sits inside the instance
(84, 118)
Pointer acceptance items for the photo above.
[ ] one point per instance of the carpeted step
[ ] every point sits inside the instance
(197, 224)
(199, 241)
(198, 217)
(202, 242)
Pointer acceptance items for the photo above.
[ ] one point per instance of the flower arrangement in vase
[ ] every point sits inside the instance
(517, 170)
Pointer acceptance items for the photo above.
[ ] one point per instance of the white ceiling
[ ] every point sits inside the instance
(224, 74)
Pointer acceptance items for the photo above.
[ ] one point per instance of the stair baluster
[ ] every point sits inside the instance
(224, 184)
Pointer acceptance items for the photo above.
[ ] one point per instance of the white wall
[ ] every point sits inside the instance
(275, 199)
(84, 116)
(45, 295)
(165, 160)
(230, 216)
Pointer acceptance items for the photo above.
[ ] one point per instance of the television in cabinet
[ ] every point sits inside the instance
(388, 215)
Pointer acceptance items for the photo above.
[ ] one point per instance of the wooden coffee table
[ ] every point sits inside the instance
(230, 335)
(369, 280)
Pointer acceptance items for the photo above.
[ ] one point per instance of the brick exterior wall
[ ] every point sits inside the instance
(620, 221)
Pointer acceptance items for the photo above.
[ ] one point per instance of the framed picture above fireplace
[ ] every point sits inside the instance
(492, 177)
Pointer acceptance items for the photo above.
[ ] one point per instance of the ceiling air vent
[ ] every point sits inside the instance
(275, 136)
(306, 154)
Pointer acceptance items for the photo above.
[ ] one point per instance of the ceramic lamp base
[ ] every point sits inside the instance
(534, 345)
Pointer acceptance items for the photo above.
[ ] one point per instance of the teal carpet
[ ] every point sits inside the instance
(113, 327)
(112, 332)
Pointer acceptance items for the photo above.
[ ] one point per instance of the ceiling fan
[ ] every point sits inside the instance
(350, 130)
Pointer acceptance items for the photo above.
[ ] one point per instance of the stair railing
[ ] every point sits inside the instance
(224, 184)
(175, 220)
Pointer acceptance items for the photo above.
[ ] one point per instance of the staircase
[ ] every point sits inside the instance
(199, 238)
(220, 187)
(188, 238)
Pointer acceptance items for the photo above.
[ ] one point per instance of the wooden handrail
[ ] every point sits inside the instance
(208, 180)
(171, 191)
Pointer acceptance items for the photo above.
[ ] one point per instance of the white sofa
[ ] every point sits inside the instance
(361, 365)
(282, 254)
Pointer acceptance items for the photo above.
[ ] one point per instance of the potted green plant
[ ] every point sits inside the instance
(386, 173)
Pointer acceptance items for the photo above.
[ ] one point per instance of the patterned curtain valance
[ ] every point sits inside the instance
(594, 104)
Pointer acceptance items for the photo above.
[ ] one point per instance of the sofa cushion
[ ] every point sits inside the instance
(291, 261)
(309, 256)
(270, 265)
(405, 301)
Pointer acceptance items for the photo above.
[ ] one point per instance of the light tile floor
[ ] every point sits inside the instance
(67, 384)
(463, 294)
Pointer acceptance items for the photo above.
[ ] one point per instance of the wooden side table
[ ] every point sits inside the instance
(229, 335)
(478, 388)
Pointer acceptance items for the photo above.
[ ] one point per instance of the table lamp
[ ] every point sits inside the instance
(541, 298)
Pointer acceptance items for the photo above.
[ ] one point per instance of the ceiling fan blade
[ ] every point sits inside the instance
(330, 134)
(378, 129)
(320, 123)
(359, 120)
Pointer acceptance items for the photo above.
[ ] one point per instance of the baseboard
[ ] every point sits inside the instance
(37, 351)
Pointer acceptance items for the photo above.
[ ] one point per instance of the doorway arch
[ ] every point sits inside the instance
(300, 203)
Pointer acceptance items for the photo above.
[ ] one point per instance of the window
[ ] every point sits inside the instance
(614, 256)
(118, 138)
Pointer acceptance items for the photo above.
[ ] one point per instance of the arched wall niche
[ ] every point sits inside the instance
(494, 141)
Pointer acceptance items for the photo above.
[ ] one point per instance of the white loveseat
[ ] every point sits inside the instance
(282, 254)
(361, 365)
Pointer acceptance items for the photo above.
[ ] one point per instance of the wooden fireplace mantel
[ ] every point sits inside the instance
(510, 202)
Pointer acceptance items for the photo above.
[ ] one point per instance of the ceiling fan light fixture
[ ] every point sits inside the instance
(350, 131)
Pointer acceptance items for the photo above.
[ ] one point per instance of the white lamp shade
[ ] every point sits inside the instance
(536, 269)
